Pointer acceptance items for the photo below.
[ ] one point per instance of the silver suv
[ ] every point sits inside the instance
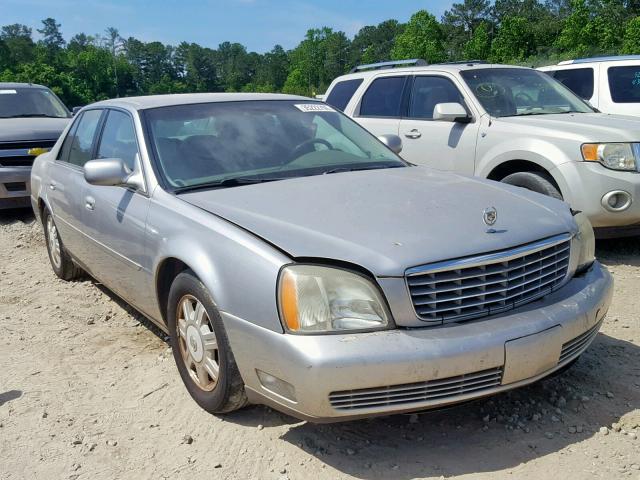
(31, 120)
(505, 123)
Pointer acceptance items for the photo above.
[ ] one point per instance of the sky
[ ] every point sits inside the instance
(257, 24)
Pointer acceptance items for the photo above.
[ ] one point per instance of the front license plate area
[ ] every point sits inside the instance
(532, 355)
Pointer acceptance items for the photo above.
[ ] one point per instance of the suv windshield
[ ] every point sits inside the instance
(232, 143)
(30, 102)
(507, 92)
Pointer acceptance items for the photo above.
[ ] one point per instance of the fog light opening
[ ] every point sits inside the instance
(277, 386)
(616, 201)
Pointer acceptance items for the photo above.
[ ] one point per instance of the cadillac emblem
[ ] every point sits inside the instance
(489, 216)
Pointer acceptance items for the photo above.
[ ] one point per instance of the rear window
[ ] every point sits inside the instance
(624, 84)
(342, 92)
(383, 98)
(578, 80)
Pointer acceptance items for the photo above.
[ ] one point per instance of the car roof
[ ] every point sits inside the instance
(612, 58)
(7, 85)
(155, 101)
(454, 67)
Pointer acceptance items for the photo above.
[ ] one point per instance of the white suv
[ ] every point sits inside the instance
(505, 123)
(611, 84)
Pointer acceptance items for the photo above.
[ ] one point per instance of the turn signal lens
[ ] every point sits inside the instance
(289, 301)
(590, 152)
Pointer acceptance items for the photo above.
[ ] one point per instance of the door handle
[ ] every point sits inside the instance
(415, 133)
(89, 203)
(52, 185)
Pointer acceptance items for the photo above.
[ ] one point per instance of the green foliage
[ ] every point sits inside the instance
(532, 32)
(421, 38)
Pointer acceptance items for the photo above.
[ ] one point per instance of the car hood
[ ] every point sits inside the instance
(583, 127)
(386, 220)
(30, 129)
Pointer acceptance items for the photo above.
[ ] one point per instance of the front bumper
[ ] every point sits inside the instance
(342, 377)
(586, 185)
(15, 187)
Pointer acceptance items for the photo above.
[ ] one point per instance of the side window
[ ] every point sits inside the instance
(578, 80)
(80, 149)
(118, 139)
(63, 154)
(624, 84)
(428, 91)
(342, 93)
(383, 98)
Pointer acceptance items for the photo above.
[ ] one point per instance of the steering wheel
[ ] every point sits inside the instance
(524, 98)
(295, 153)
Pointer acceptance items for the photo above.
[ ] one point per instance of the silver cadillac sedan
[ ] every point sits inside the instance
(296, 261)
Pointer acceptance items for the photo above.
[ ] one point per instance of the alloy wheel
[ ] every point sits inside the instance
(53, 242)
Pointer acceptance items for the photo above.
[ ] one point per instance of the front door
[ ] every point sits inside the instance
(381, 105)
(115, 216)
(447, 146)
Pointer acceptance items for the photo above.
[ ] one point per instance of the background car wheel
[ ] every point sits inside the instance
(201, 348)
(535, 181)
(61, 262)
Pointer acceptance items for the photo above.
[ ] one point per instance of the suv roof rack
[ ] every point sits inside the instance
(463, 62)
(396, 63)
(611, 58)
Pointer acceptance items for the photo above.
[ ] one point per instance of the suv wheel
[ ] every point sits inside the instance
(61, 262)
(201, 348)
(535, 181)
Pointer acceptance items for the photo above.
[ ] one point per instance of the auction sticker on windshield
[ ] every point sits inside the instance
(8, 92)
(314, 107)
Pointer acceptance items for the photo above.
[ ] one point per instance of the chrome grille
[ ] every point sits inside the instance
(479, 286)
(575, 347)
(441, 389)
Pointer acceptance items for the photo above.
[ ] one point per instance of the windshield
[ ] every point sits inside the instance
(30, 102)
(219, 143)
(508, 92)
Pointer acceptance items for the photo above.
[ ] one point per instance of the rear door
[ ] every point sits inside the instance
(66, 182)
(115, 216)
(380, 108)
(621, 87)
(580, 80)
(442, 145)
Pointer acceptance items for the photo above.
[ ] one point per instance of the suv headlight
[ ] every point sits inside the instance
(617, 156)
(317, 299)
(586, 242)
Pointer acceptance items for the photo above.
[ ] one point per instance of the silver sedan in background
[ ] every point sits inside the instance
(296, 261)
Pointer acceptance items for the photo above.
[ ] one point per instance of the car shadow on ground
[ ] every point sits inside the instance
(619, 251)
(491, 434)
(9, 395)
(16, 215)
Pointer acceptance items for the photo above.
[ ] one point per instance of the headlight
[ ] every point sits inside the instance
(316, 299)
(617, 156)
(586, 242)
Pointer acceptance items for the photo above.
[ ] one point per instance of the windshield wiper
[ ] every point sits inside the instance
(32, 115)
(227, 182)
(355, 169)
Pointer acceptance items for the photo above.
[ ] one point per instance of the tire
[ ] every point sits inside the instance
(535, 181)
(60, 259)
(200, 344)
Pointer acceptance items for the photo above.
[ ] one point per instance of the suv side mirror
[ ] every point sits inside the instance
(75, 110)
(107, 172)
(451, 112)
(393, 142)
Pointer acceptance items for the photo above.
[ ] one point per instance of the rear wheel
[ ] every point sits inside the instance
(536, 181)
(61, 261)
(201, 348)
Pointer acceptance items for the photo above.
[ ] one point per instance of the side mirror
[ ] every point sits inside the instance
(107, 172)
(75, 110)
(451, 112)
(393, 142)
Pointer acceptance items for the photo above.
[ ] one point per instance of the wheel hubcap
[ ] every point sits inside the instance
(198, 343)
(53, 242)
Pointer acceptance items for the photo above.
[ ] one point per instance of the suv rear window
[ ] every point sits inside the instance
(383, 98)
(624, 84)
(342, 92)
(579, 80)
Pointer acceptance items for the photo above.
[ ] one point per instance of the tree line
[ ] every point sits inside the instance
(87, 68)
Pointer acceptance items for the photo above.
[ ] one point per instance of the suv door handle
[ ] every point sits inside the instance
(52, 185)
(415, 133)
(89, 203)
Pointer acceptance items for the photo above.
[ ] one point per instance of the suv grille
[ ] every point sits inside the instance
(441, 389)
(16, 154)
(488, 284)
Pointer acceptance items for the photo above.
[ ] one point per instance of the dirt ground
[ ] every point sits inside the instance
(89, 390)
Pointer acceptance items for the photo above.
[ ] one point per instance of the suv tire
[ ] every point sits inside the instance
(60, 259)
(535, 181)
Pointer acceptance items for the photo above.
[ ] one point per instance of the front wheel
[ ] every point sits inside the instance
(201, 348)
(61, 262)
(535, 181)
